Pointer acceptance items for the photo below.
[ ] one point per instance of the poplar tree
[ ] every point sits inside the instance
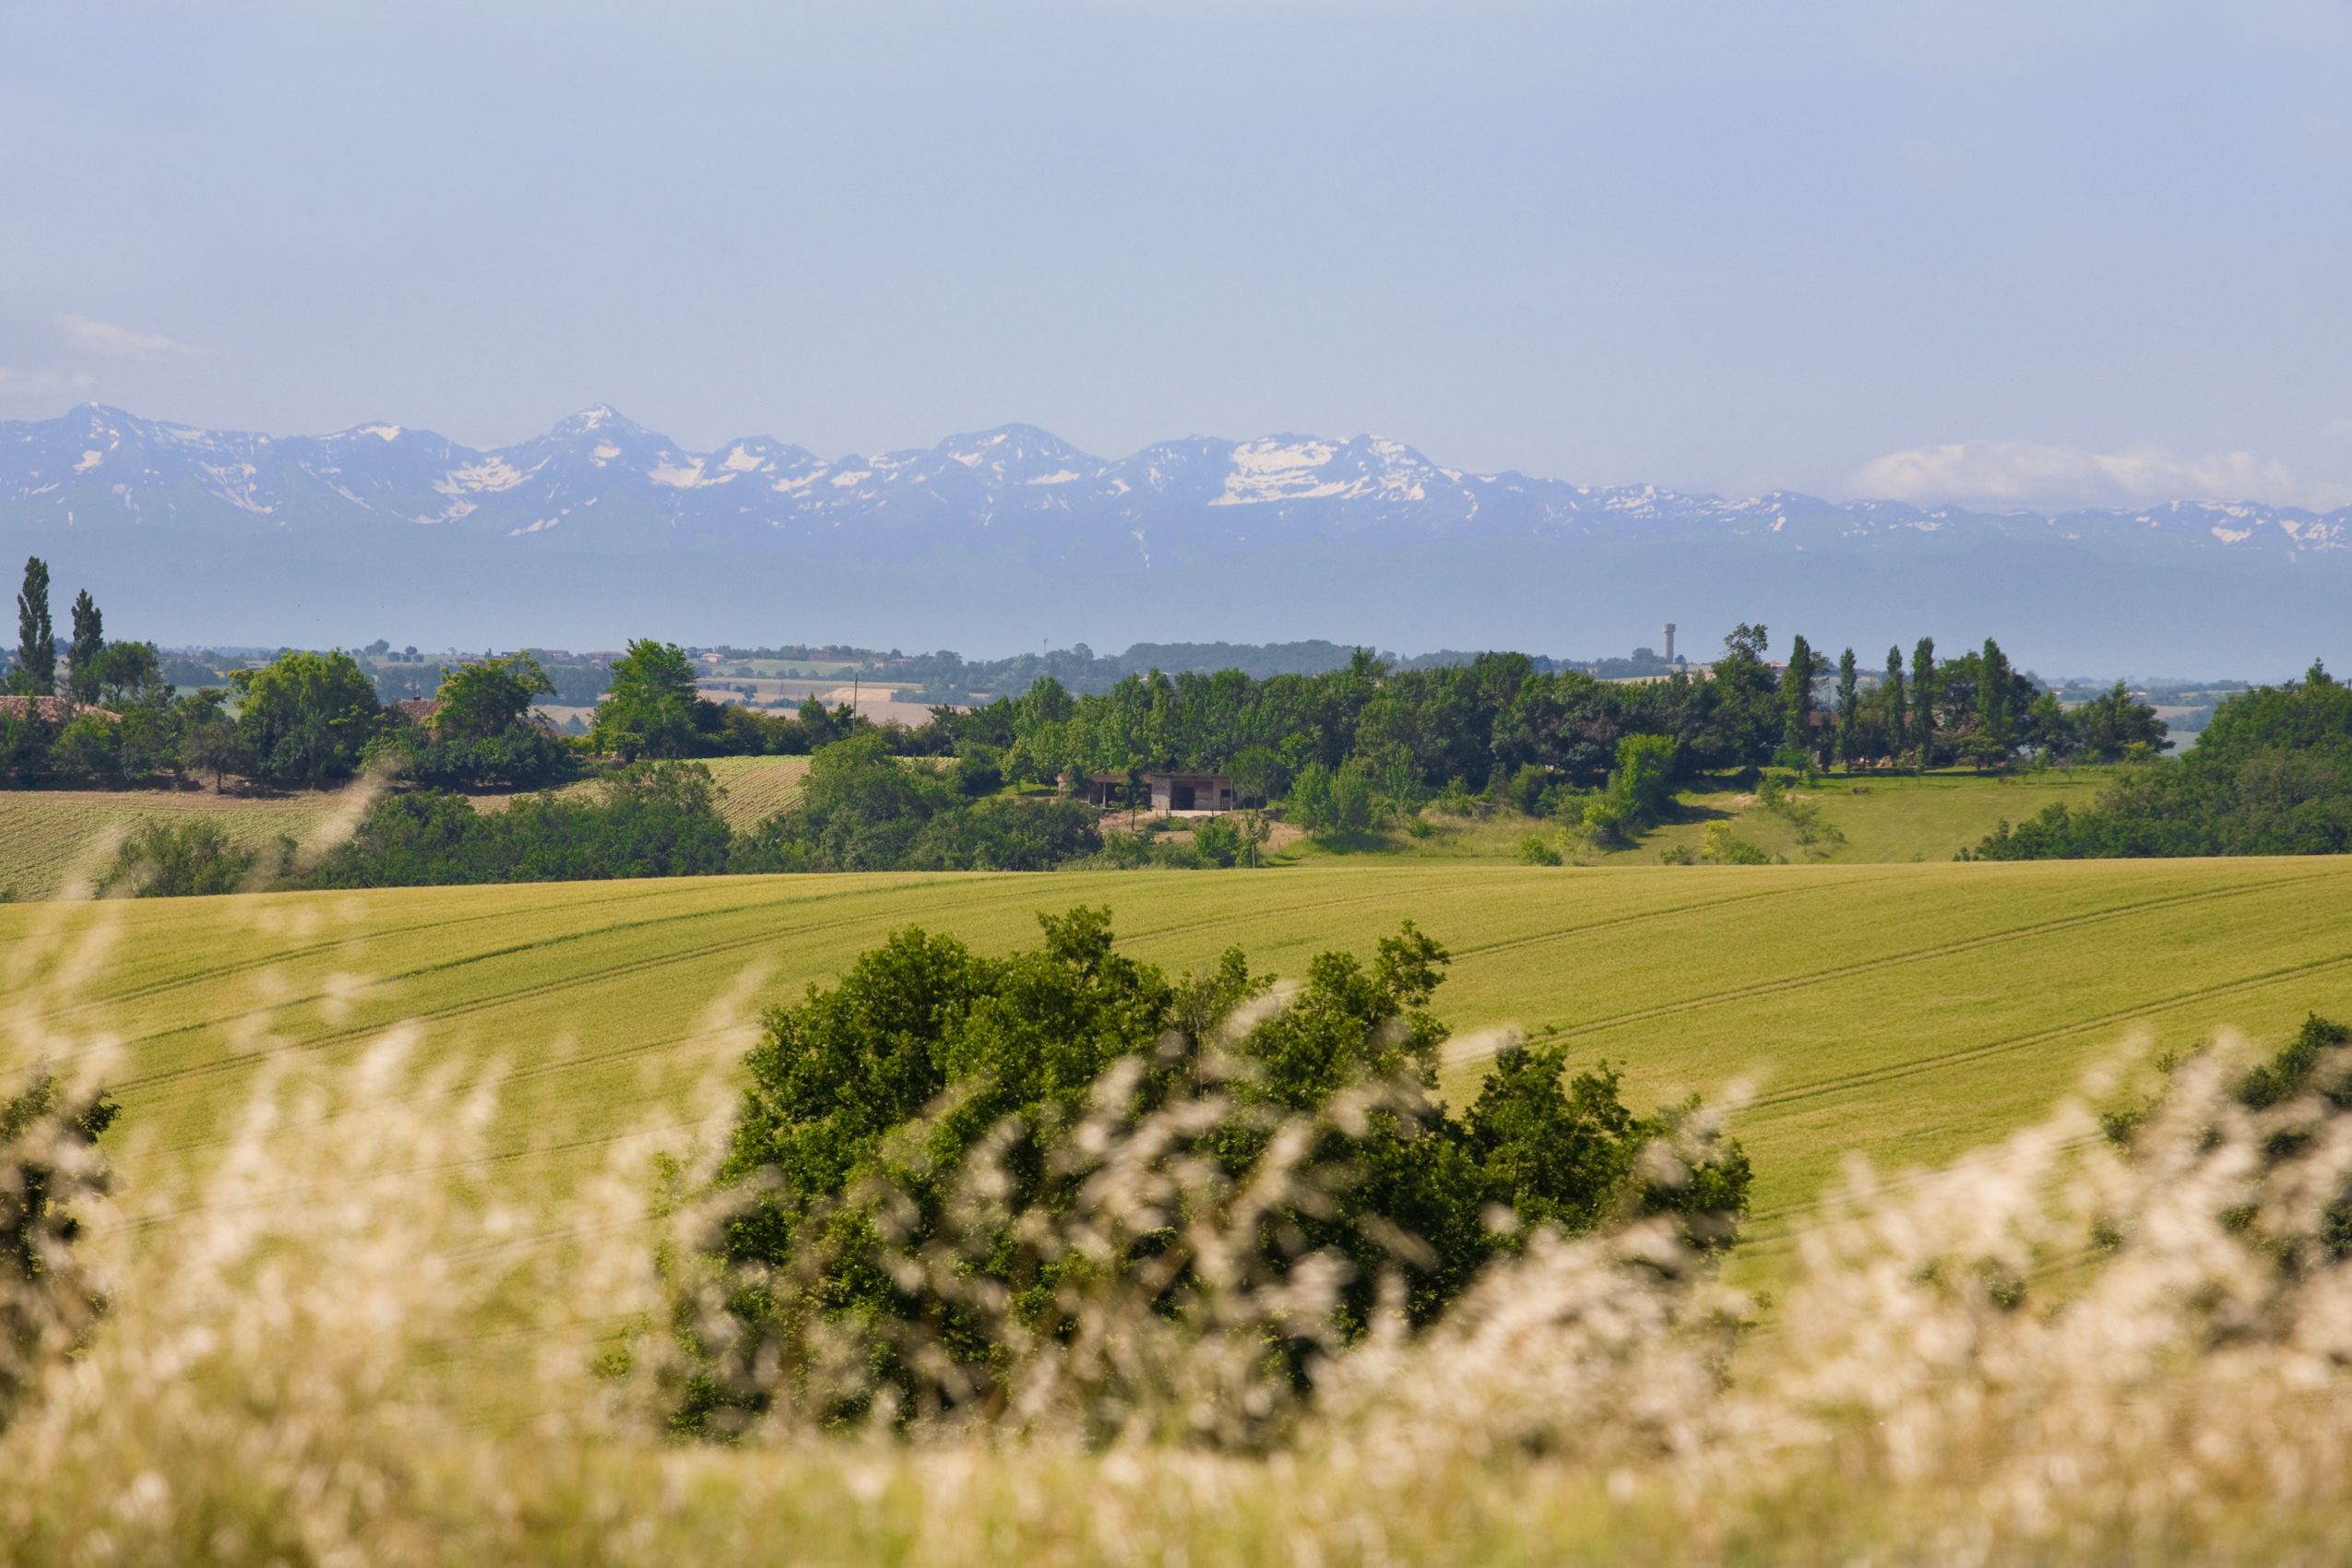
(36, 638)
(1923, 700)
(82, 652)
(1898, 718)
(1797, 695)
(1848, 705)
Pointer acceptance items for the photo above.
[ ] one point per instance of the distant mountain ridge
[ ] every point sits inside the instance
(598, 480)
(989, 541)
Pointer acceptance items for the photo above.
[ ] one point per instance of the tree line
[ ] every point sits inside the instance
(2271, 774)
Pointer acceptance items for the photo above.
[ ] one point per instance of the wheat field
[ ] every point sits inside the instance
(1905, 1012)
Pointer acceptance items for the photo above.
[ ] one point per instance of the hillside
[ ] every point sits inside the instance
(1902, 1012)
(47, 837)
(44, 834)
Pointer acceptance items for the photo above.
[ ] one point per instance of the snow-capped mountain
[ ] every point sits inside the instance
(602, 529)
(598, 480)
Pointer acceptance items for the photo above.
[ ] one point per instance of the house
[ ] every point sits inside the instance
(1169, 792)
(419, 711)
(1190, 791)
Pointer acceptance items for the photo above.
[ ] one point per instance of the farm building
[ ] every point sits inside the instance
(1169, 792)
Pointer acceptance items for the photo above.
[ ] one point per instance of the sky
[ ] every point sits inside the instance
(2025, 253)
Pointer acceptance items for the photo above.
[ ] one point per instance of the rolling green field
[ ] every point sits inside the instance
(1883, 819)
(1905, 1012)
(49, 836)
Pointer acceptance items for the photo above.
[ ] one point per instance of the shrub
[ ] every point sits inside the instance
(956, 1179)
(181, 860)
(89, 747)
(1536, 849)
(1719, 846)
(49, 1157)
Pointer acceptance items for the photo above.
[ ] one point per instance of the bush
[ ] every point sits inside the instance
(1536, 849)
(892, 1248)
(191, 858)
(1720, 846)
(89, 747)
(657, 819)
(48, 1159)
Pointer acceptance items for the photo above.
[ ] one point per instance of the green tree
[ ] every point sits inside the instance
(1797, 696)
(649, 710)
(1643, 780)
(1898, 718)
(1351, 797)
(1309, 799)
(485, 698)
(129, 675)
(209, 742)
(1994, 736)
(83, 650)
(36, 671)
(1923, 696)
(870, 1102)
(306, 718)
(1848, 708)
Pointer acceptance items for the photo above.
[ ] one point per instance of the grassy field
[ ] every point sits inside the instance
(49, 836)
(1877, 820)
(1903, 1013)
(750, 788)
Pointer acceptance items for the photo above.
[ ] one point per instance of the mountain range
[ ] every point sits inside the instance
(601, 527)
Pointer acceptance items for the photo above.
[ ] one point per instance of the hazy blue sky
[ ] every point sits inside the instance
(2045, 250)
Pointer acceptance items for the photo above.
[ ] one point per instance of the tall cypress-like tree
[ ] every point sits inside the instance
(1848, 708)
(36, 637)
(1797, 695)
(1898, 718)
(1996, 725)
(81, 653)
(1923, 700)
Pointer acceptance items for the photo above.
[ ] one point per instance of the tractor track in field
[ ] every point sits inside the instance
(1915, 956)
(291, 955)
(482, 1004)
(2042, 1037)
(632, 966)
(640, 965)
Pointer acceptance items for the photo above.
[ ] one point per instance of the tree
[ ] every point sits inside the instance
(1797, 695)
(209, 740)
(306, 718)
(649, 710)
(1645, 777)
(129, 675)
(1923, 700)
(485, 698)
(82, 652)
(1309, 799)
(36, 673)
(880, 1109)
(1994, 737)
(1848, 708)
(1351, 797)
(1899, 721)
